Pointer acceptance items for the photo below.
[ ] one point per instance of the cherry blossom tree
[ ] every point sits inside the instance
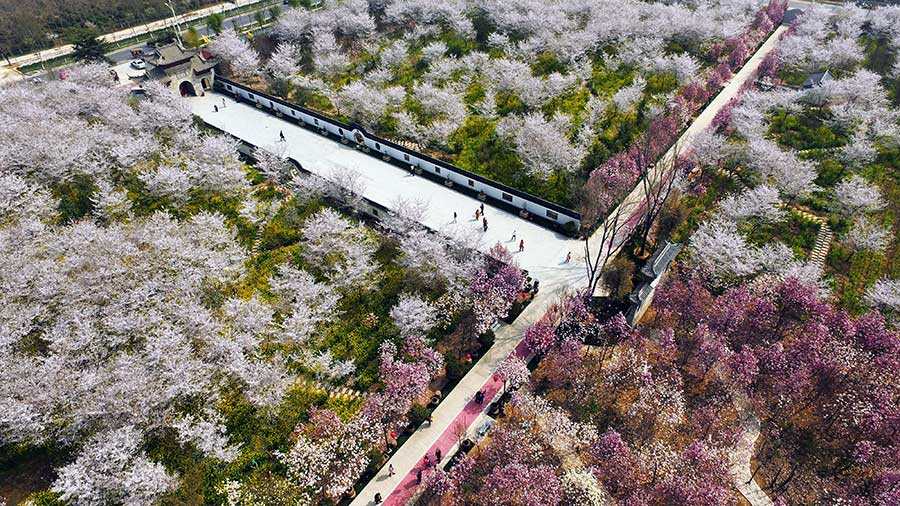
(343, 251)
(859, 151)
(867, 234)
(855, 195)
(272, 161)
(720, 252)
(627, 98)
(231, 47)
(543, 146)
(517, 483)
(413, 315)
(307, 304)
(328, 455)
(513, 372)
(760, 203)
(283, 63)
(112, 469)
(494, 288)
(207, 434)
(884, 295)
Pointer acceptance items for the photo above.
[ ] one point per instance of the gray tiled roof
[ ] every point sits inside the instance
(790, 16)
(816, 79)
(660, 260)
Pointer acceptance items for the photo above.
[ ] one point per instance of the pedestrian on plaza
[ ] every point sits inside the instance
(427, 461)
(468, 358)
(513, 238)
(482, 208)
(377, 498)
(477, 214)
(419, 476)
(391, 470)
(281, 134)
(215, 108)
(437, 455)
(454, 216)
(479, 397)
(223, 102)
(569, 257)
(522, 245)
(484, 223)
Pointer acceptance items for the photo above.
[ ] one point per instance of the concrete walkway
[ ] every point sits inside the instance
(545, 250)
(543, 256)
(743, 453)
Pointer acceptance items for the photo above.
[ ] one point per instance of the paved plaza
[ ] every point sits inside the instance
(545, 250)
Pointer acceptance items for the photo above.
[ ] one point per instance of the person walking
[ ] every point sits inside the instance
(391, 470)
(437, 455)
(427, 461)
(477, 214)
(484, 223)
(513, 238)
(569, 257)
(482, 208)
(215, 108)
(522, 245)
(419, 476)
(281, 134)
(223, 102)
(377, 498)
(454, 216)
(479, 397)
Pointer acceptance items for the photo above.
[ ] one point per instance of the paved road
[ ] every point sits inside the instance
(127, 33)
(241, 20)
(123, 54)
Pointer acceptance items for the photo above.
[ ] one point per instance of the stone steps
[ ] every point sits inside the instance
(332, 390)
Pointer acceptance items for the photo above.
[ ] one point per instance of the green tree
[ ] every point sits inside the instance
(215, 22)
(89, 47)
(274, 12)
(259, 16)
(191, 37)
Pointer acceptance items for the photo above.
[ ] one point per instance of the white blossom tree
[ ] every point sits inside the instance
(112, 469)
(343, 251)
(207, 434)
(413, 315)
(855, 195)
(884, 295)
(867, 234)
(543, 146)
(761, 203)
(283, 63)
(231, 47)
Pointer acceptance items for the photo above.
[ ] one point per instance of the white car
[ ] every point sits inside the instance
(138, 64)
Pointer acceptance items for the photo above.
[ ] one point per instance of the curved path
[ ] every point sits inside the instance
(544, 253)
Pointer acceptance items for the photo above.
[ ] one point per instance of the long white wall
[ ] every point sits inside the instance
(406, 157)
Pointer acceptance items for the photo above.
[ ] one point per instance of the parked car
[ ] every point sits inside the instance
(138, 64)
